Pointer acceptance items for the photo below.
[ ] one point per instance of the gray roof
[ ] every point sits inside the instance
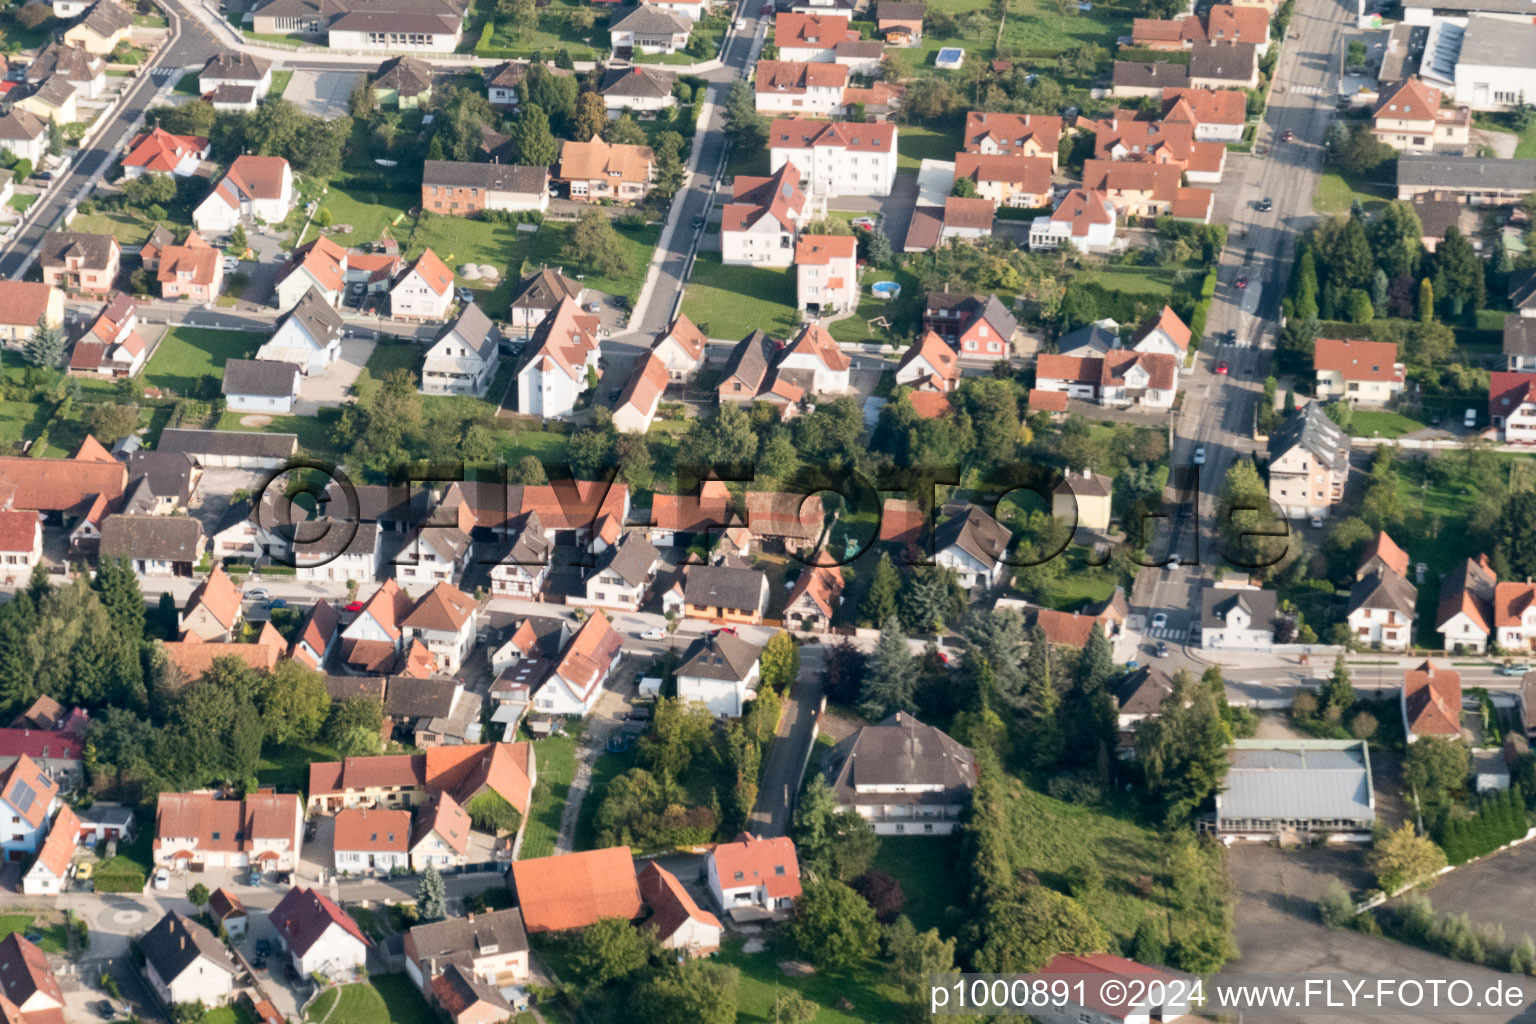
(268, 378)
(491, 177)
(1140, 75)
(1385, 590)
(1522, 288)
(55, 91)
(228, 92)
(469, 990)
(508, 75)
(1430, 170)
(1528, 699)
(457, 940)
(1491, 6)
(976, 533)
(449, 542)
(1437, 214)
(1297, 779)
(648, 19)
(169, 473)
(1262, 606)
(237, 67)
(323, 535)
(527, 545)
(397, 21)
(175, 943)
(1085, 340)
(406, 75)
(318, 318)
(161, 538)
(719, 586)
(1223, 59)
(73, 62)
(1498, 42)
(21, 125)
(632, 558)
(545, 290)
(382, 503)
(1142, 692)
(750, 359)
(1405, 48)
(901, 751)
(107, 17)
(475, 330)
(95, 250)
(719, 656)
(639, 82)
(857, 49)
(409, 697)
(1086, 484)
(228, 442)
(899, 10)
(1311, 428)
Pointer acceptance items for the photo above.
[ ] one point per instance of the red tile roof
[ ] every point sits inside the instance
(40, 744)
(806, 30)
(816, 341)
(219, 595)
(752, 861)
(1082, 210)
(1207, 106)
(25, 974)
(901, 522)
(1077, 369)
(1047, 401)
(18, 530)
(70, 486)
(1386, 549)
(1508, 391)
(822, 584)
(687, 335)
(799, 133)
(587, 660)
(1169, 323)
(821, 250)
(1412, 100)
(670, 904)
(431, 270)
(59, 847)
(1161, 368)
(304, 915)
(27, 790)
(160, 151)
(22, 302)
(1063, 629)
(1358, 360)
(445, 608)
(1010, 131)
(1432, 700)
(374, 830)
(930, 405)
(792, 76)
(574, 890)
(1030, 174)
(193, 657)
(1102, 964)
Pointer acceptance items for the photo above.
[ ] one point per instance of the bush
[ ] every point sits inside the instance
(1336, 908)
(119, 881)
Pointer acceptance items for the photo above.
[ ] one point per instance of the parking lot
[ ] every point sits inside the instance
(322, 93)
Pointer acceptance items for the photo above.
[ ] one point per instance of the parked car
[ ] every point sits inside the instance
(593, 307)
(106, 1009)
(466, 295)
(1159, 620)
(1162, 649)
(84, 871)
(698, 221)
(1199, 456)
(1221, 367)
(654, 634)
(1470, 420)
(257, 594)
(1513, 670)
(1242, 281)
(868, 223)
(276, 603)
(162, 878)
(1317, 522)
(354, 606)
(1287, 135)
(1266, 204)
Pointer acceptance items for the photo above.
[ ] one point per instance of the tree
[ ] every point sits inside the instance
(671, 169)
(744, 126)
(590, 118)
(699, 991)
(835, 844)
(198, 894)
(1304, 286)
(293, 701)
(1147, 945)
(1402, 858)
(110, 423)
(55, 138)
(1020, 931)
(791, 1007)
(1337, 692)
(529, 470)
(1182, 749)
(431, 896)
(1395, 233)
(833, 926)
(891, 682)
(880, 599)
(965, 188)
(780, 660)
(1426, 301)
(1458, 276)
(32, 15)
(595, 245)
(1514, 543)
(1381, 294)
(532, 140)
(354, 726)
(237, 238)
(1250, 533)
(916, 957)
(45, 345)
(609, 950)
(1360, 309)
(522, 15)
(883, 893)
(1356, 149)
(623, 130)
(1435, 766)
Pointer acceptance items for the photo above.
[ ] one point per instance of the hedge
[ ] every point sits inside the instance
(124, 881)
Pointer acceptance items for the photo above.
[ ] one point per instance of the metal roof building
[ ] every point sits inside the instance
(1302, 788)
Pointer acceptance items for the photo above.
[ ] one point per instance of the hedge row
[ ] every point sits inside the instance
(119, 881)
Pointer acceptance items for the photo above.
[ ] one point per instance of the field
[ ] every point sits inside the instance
(1137, 282)
(1383, 423)
(20, 421)
(314, 435)
(127, 229)
(52, 940)
(1336, 192)
(287, 766)
(914, 144)
(367, 211)
(557, 767)
(23, 203)
(926, 868)
(386, 999)
(866, 987)
(729, 302)
(186, 354)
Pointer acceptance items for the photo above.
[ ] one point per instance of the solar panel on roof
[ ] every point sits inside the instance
(22, 796)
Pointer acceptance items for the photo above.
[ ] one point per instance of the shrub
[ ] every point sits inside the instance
(1336, 908)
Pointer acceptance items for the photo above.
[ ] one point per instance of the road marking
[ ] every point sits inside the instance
(1166, 633)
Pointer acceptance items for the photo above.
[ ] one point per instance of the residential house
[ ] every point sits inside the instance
(424, 291)
(1474, 180)
(837, 158)
(900, 22)
(1084, 499)
(1032, 135)
(539, 296)
(693, 10)
(1511, 406)
(796, 520)
(185, 963)
(1411, 119)
(32, 994)
(1514, 615)
(1220, 22)
(754, 874)
(440, 835)
(317, 633)
(1308, 463)
(308, 336)
(388, 26)
(21, 545)
(1007, 180)
(404, 83)
(1147, 189)
(1465, 614)
(672, 915)
(1218, 115)
(444, 620)
(645, 29)
(327, 550)
(1431, 702)
(434, 554)
(464, 357)
(191, 659)
(1146, 78)
(814, 599)
(720, 671)
(1083, 220)
(522, 566)
(1380, 611)
(574, 890)
(1364, 372)
(1150, 380)
(624, 574)
(903, 777)
(319, 936)
(811, 38)
(501, 83)
(559, 360)
(264, 831)
(974, 545)
(229, 912)
(231, 449)
(637, 89)
(1222, 64)
(463, 772)
(213, 611)
(974, 325)
(369, 840)
(1139, 695)
(964, 219)
(725, 593)
(86, 72)
(492, 947)
(641, 397)
(261, 385)
(159, 152)
(113, 346)
(153, 545)
(1520, 343)
(49, 871)
(816, 361)
(759, 225)
(460, 189)
(24, 134)
(578, 677)
(1382, 555)
(1237, 620)
(233, 80)
(1126, 136)
(797, 87)
(929, 365)
(193, 270)
(597, 170)
(320, 266)
(105, 25)
(255, 187)
(826, 274)
(73, 493)
(59, 752)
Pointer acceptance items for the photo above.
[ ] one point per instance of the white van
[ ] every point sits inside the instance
(1470, 419)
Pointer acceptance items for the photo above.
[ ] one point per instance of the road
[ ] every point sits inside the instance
(791, 748)
(1218, 410)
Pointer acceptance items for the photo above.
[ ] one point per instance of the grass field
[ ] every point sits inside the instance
(557, 767)
(866, 988)
(280, 80)
(1034, 26)
(1130, 281)
(1336, 192)
(914, 144)
(729, 302)
(287, 766)
(20, 421)
(230, 1014)
(128, 230)
(186, 354)
(386, 999)
(925, 867)
(23, 203)
(314, 436)
(52, 940)
(368, 212)
(1383, 423)
(637, 246)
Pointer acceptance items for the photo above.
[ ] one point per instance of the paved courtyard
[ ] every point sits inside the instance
(322, 93)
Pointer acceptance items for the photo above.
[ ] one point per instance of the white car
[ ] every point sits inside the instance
(1159, 620)
(1317, 522)
(1199, 457)
(654, 634)
(162, 878)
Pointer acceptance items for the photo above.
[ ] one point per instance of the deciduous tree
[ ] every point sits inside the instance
(833, 926)
(1402, 858)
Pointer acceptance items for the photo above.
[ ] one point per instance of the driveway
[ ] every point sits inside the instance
(895, 210)
(322, 93)
(791, 747)
(334, 386)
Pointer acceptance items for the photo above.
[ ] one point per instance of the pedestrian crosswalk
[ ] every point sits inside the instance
(162, 75)
(1166, 633)
(1307, 90)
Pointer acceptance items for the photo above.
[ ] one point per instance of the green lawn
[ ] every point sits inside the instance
(231, 1013)
(287, 766)
(729, 302)
(925, 867)
(385, 999)
(314, 436)
(1336, 192)
(187, 354)
(867, 987)
(1034, 26)
(53, 938)
(127, 229)
(914, 144)
(24, 202)
(136, 856)
(1525, 149)
(1383, 423)
(557, 767)
(637, 246)
(1131, 281)
(21, 421)
(280, 80)
(368, 212)
(541, 444)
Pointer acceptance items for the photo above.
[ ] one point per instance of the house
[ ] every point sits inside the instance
(522, 566)
(977, 326)
(1478, 180)
(463, 189)
(798, 87)
(1490, 70)
(624, 574)
(464, 357)
(255, 187)
(24, 134)
(900, 22)
(1297, 787)
(636, 89)
(84, 71)
(1511, 405)
(725, 593)
(578, 677)
(320, 266)
(404, 83)
(794, 519)
(31, 992)
(1217, 115)
(261, 385)
(966, 219)
(113, 346)
(1126, 135)
(720, 671)
(641, 396)
(59, 754)
(816, 361)
(444, 620)
(1222, 64)
(185, 963)
(1242, 620)
(1308, 463)
(837, 158)
(574, 890)
(319, 936)
(672, 915)
(758, 227)
(463, 772)
(23, 304)
(1092, 998)
(826, 274)
(1083, 220)
(1146, 189)
(1084, 499)
(1006, 180)
(754, 874)
(973, 545)
(501, 83)
(1220, 22)
(1141, 78)
(434, 554)
(1431, 702)
(233, 80)
(814, 599)
(230, 449)
(811, 38)
(440, 834)
(317, 633)
(424, 291)
(21, 544)
(597, 170)
(191, 659)
(1411, 119)
(903, 777)
(105, 25)
(492, 947)
(159, 152)
(1514, 615)
(1149, 380)
(372, 840)
(646, 29)
(49, 871)
(214, 610)
(74, 493)
(1365, 372)
(1032, 135)
(539, 296)
(1139, 695)
(1520, 343)
(229, 912)
(264, 830)
(1380, 611)
(929, 365)
(1464, 617)
(465, 999)
(561, 360)
(384, 26)
(193, 270)
(154, 545)
(308, 336)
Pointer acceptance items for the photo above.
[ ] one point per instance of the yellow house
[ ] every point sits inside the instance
(54, 99)
(1085, 497)
(103, 27)
(22, 303)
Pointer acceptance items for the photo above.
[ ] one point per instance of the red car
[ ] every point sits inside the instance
(1241, 282)
(1221, 368)
(1287, 135)
(355, 606)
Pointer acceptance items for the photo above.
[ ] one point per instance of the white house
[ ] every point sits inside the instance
(332, 551)
(676, 920)
(1465, 615)
(260, 385)
(973, 545)
(796, 87)
(826, 274)
(720, 671)
(814, 351)
(444, 620)
(562, 353)
(197, 830)
(501, 83)
(758, 226)
(436, 29)
(424, 291)
(1162, 334)
(50, 870)
(522, 568)
(647, 29)
(1083, 220)
(24, 134)
(903, 777)
(693, 10)
(838, 158)
(641, 396)
(1380, 612)
(185, 963)
(440, 834)
(624, 574)
(235, 81)
(433, 554)
(753, 872)
(372, 840)
(810, 37)
(1149, 380)
(255, 187)
(577, 680)
(463, 359)
(637, 89)
(1237, 620)
(1492, 72)
(21, 544)
(309, 336)
(929, 365)
(680, 348)
(319, 936)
